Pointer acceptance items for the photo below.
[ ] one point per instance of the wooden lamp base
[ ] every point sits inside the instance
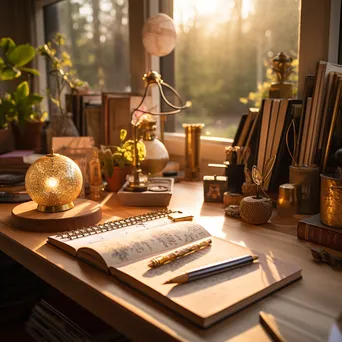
(85, 213)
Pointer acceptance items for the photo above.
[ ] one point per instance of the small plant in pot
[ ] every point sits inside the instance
(13, 61)
(117, 160)
(21, 109)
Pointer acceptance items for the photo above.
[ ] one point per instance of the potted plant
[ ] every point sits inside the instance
(117, 161)
(21, 108)
(64, 78)
(12, 64)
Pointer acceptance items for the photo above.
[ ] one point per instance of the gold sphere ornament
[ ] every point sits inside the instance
(53, 182)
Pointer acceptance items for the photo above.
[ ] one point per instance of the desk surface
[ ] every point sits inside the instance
(305, 309)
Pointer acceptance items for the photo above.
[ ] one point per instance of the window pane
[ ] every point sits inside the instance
(223, 52)
(97, 39)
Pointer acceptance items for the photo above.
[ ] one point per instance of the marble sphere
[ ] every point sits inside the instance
(159, 35)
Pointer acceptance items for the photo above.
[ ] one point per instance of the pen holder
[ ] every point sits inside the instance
(306, 179)
(236, 177)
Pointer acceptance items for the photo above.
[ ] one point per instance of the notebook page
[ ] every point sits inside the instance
(148, 242)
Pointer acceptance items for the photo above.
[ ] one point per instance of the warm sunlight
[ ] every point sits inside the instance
(194, 12)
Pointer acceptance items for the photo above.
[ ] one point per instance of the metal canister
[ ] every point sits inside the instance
(192, 150)
(331, 201)
(287, 204)
(306, 179)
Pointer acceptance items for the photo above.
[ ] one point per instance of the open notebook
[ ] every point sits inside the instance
(126, 252)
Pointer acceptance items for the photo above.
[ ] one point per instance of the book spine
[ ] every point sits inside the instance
(6, 197)
(320, 236)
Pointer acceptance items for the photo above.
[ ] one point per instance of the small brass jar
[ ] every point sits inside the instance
(287, 204)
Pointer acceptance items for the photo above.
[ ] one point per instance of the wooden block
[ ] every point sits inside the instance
(85, 213)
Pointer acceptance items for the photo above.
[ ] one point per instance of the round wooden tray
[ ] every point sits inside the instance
(85, 213)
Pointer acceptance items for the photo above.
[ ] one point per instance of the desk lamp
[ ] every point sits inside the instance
(53, 182)
(159, 39)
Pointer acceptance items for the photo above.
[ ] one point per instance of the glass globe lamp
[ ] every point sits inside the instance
(53, 182)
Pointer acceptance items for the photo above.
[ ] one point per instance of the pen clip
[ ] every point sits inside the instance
(180, 216)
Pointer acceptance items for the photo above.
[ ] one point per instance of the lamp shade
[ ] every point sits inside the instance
(53, 182)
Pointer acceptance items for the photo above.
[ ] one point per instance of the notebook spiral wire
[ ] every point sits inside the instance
(113, 225)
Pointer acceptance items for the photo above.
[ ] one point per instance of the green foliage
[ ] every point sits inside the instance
(61, 69)
(15, 59)
(20, 106)
(121, 155)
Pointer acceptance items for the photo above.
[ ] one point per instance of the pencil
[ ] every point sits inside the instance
(212, 269)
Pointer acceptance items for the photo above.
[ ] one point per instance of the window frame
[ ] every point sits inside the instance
(319, 19)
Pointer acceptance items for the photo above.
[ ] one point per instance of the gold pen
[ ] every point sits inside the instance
(179, 252)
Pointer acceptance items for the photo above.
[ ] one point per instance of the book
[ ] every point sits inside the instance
(303, 155)
(307, 93)
(48, 323)
(126, 252)
(10, 179)
(13, 188)
(239, 129)
(14, 157)
(14, 197)
(280, 172)
(246, 129)
(323, 70)
(264, 128)
(311, 229)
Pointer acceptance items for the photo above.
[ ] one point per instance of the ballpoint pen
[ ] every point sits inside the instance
(211, 269)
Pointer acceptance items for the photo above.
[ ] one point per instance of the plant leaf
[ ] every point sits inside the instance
(23, 90)
(268, 167)
(2, 62)
(256, 175)
(7, 74)
(21, 55)
(123, 135)
(29, 70)
(7, 44)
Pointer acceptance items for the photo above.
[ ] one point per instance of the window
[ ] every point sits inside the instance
(97, 39)
(222, 55)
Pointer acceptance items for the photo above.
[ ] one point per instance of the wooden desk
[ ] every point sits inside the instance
(307, 307)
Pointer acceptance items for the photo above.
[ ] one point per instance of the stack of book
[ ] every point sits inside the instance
(321, 98)
(13, 167)
(15, 162)
(12, 188)
(275, 119)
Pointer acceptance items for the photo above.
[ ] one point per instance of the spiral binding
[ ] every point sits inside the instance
(113, 225)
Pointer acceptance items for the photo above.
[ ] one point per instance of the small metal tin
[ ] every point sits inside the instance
(287, 204)
(214, 187)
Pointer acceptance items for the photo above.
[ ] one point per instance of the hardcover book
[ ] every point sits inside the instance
(126, 252)
(313, 230)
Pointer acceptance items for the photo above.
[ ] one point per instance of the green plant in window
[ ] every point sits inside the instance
(61, 70)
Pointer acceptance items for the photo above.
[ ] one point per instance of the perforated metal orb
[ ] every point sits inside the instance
(53, 182)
